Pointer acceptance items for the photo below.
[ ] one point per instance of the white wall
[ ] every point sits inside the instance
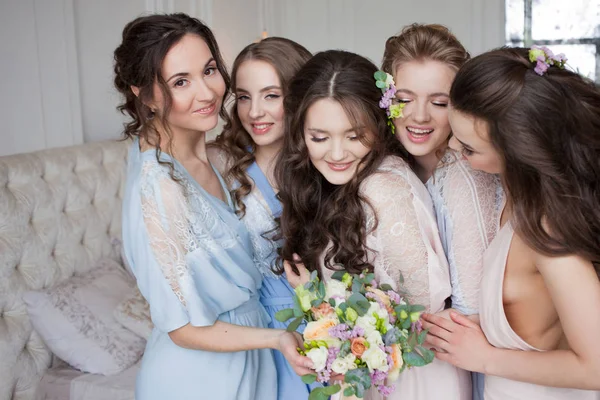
(39, 83)
(56, 74)
(363, 26)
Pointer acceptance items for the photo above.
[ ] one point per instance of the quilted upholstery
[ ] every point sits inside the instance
(60, 210)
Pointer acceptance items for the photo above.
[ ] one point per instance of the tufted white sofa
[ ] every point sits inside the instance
(60, 211)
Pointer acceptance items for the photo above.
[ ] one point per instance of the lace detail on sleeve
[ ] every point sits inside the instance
(467, 214)
(397, 245)
(166, 215)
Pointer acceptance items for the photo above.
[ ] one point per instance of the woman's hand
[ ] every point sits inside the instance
(289, 343)
(458, 341)
(294, 278)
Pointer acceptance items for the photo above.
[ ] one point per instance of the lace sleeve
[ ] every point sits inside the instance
(164, 211)
(167, 272)
(397, 242)
(470, 213)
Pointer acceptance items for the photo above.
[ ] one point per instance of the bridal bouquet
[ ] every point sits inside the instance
(357, 328)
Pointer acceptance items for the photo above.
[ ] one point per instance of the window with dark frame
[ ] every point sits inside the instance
(570, 27)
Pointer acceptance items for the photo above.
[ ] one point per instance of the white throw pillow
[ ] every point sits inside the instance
(76, 320)
(134, 314)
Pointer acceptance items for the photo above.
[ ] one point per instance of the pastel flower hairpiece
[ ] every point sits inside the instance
(544, 58)
(385, 82)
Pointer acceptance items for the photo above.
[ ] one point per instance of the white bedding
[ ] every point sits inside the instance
(65, 383)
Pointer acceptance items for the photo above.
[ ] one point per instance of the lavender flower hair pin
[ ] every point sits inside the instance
(385, 82)
(544, 58)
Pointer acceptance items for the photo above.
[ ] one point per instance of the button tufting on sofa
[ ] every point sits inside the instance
(52, 228)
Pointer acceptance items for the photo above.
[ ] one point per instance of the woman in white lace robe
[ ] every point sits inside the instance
(423, 60)
(350, 197)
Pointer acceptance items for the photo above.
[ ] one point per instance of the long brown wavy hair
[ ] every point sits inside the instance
(547, 132)
(316, 212)
(138, 62)
(286, 57)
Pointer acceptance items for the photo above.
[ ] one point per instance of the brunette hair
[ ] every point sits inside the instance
(419, 42)
(547, 132)
(138, 62)
(317, 213)
(286, 57)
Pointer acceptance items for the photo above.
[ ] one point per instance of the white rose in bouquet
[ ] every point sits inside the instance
(335, 289)
(319, 357)
(374, 338)
(342, 365)
(375, 359)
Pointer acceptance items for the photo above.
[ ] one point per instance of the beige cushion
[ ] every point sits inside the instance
(75, 320)
(134, 314)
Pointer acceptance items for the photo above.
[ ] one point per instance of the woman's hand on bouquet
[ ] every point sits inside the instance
(289, 343)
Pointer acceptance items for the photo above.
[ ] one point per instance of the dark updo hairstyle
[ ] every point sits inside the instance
(138, 62)
(547, 132)
(316, 213)
(286, 57)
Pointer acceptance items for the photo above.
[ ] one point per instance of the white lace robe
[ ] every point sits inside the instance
(466, 205)
(406, 242)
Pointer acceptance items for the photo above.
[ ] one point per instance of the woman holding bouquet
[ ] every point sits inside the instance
(245, 154)
(522, 114)
(192, 257)
(351, 200)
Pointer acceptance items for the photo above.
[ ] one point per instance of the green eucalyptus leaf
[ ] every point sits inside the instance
(316, 302)
(427, 354)
(333, 389)
(413, 359)
(359, 303)
(422, 336)
(284, 315)
(344, 349)
(337, 275)
(416, 308)
(385, 287)
(309, 378)
(321, 289)
(297, 309)
(293, 326)
(349, 391)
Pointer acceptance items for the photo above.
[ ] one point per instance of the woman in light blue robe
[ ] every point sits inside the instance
(246, 153)
(193, 261)
(192, 257)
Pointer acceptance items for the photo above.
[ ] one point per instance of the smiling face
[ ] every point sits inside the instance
(424, 87)
(259, 99)
(471, 138)
(334, 146)
(195, 84)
